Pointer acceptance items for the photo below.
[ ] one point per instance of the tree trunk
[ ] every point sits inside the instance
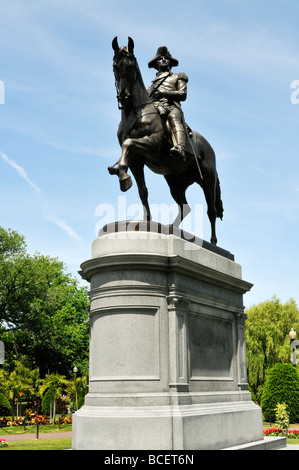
(50, 408)
(54, 410)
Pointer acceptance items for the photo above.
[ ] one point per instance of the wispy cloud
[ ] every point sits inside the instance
(21, 172)
(63, 225)
(52, 218)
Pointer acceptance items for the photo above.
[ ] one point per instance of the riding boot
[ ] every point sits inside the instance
(178, 150)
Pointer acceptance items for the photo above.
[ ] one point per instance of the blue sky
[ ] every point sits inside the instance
(59, 119)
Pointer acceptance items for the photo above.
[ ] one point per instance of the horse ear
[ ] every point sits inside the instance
(130, 45)
(115, 45)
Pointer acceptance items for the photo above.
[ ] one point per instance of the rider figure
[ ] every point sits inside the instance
(168, 89)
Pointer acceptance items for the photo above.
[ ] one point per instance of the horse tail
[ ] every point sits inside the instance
(219, 205)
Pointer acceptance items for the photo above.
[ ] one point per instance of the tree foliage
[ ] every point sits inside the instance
(56, 384)
(43, 311)
(267, 338)
(5, 407)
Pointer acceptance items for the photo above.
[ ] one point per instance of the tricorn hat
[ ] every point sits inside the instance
(163, 51)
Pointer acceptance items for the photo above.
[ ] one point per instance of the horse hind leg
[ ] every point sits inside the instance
(138, 173)
(183, 210)
(212, 218)
(210, 195)
(178, 191)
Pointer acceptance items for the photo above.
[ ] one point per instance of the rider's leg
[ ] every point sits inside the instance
(178, 130)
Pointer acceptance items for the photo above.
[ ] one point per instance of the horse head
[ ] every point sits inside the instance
(125, 72)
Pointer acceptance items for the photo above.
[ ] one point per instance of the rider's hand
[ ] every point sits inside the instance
(158, 95)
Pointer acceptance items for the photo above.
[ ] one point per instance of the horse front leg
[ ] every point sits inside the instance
(125, 180)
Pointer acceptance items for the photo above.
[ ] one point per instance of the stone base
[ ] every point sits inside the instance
(268, 443)
(193, 427)
(167, 346)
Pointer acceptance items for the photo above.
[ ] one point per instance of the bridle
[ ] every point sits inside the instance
(125, 92)
(126, 53)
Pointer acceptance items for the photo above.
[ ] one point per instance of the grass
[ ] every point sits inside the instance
(40, 444)
(293, 441)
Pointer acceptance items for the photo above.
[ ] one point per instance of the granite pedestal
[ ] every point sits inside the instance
(167, 345)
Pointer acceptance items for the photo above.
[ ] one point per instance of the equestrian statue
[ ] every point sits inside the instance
(153, 132)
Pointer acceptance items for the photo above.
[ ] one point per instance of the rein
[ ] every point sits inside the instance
(135, 107)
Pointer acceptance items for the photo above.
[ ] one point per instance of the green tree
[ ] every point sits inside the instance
(43, 311)
(29, 379)
(16, 387)
(281, 386)
(57, 384)
(267, 338)
(11, 243)
(77, 389)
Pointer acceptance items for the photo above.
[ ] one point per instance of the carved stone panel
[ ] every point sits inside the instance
(211, 347)
(127, 345)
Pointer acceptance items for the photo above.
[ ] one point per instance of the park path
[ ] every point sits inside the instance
(42, 435)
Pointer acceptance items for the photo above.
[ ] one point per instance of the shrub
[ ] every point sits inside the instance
(47, 399)
(61, 403)
(5, 407)
(281, 386)
(281, 417)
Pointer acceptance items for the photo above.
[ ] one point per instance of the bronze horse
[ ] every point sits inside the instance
(143, 136)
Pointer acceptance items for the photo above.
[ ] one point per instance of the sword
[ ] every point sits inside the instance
(189, 139)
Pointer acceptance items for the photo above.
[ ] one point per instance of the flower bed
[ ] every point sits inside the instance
(292, 433)
(31, 419)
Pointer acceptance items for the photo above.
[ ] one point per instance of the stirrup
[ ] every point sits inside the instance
(113, 170)
(177, 151)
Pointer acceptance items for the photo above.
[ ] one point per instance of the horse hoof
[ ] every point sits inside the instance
(113, 171)
(125, 183)
(214, 241)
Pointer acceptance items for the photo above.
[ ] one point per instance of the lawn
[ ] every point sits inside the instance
(293, 441)
(40, 444)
